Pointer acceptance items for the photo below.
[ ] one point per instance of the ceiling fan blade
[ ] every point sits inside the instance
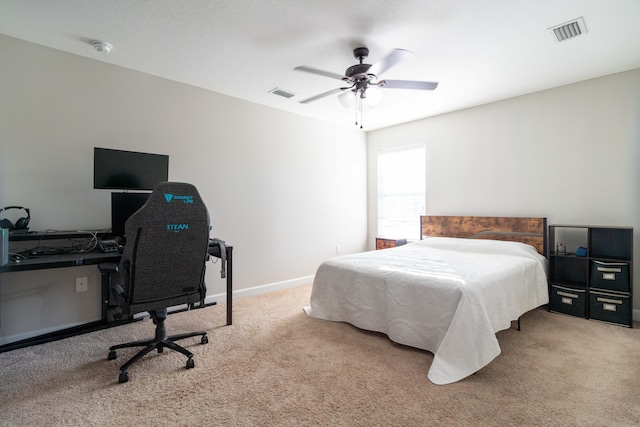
(407, 84)
(394, 57)
(319, 72)
(322, 95)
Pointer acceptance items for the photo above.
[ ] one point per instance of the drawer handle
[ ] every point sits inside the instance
(610, 301)
(566, 294)
(609, 270)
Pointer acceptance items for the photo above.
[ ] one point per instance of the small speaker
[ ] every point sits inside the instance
(4, 246)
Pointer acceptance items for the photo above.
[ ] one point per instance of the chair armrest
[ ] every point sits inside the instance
(108, 267)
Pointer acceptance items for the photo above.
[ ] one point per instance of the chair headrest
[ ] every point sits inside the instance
(172, 192)
(172, 205)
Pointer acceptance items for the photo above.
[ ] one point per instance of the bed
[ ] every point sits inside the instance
(449, 293)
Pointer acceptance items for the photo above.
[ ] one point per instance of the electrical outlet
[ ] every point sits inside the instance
(82, 284)
(338, 249)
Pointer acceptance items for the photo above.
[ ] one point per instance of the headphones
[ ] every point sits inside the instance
(21, 223)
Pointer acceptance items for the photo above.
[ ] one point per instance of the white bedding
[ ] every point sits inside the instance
(445, 295)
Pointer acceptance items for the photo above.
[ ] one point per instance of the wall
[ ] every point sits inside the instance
(284, 190)
(570, 154)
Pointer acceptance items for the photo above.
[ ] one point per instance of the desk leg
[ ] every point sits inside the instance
(229, 285)
(106, 278)
(107, 269)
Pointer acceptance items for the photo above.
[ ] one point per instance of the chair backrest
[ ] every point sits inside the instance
(166, 250)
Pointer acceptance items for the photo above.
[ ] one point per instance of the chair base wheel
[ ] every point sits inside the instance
(158, 343)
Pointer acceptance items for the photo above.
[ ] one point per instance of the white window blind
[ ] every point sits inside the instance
(401, 192)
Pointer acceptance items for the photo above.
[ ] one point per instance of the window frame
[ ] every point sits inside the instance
(408, 220)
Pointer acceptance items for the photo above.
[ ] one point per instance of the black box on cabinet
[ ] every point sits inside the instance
(610, 307)
(568, 300)
(613, 276)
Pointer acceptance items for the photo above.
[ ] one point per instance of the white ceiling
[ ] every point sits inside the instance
(478, 50)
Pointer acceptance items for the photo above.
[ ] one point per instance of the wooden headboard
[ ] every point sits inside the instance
(529, 230)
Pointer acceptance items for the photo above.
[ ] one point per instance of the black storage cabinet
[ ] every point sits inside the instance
(598, 285)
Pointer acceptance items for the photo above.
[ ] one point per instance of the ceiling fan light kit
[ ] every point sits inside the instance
(364, 88)
(347, 99)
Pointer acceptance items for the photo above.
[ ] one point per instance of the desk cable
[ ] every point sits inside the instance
(78, 245)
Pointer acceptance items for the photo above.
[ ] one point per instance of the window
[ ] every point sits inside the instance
(401, 192)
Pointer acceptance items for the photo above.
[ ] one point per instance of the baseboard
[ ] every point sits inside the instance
(259, 290)
(636, 315)
(36, 333)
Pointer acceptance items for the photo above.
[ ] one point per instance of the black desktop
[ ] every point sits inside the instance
(123, 205)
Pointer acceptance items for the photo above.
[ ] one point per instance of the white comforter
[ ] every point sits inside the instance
(445, 295)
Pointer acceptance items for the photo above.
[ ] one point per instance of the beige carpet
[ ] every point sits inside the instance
(277, 366)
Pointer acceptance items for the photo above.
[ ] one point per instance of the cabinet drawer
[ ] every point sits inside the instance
(610, 307)
(612, 276)
(568, 300)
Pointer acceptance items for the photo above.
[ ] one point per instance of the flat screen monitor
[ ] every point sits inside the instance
(123, 205)
(128, 170)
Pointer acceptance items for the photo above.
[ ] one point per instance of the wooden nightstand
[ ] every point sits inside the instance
(383, 243)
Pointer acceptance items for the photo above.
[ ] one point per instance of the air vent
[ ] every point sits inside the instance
(569, 30)
(280, 92)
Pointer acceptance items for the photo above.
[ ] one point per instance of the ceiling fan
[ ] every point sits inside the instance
(362, 80)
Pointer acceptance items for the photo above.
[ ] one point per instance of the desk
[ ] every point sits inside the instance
(78, 259)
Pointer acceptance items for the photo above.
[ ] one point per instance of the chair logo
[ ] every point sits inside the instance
(176, 228)
(185, 199)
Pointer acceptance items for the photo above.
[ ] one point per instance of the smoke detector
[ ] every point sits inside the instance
(102, 47)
